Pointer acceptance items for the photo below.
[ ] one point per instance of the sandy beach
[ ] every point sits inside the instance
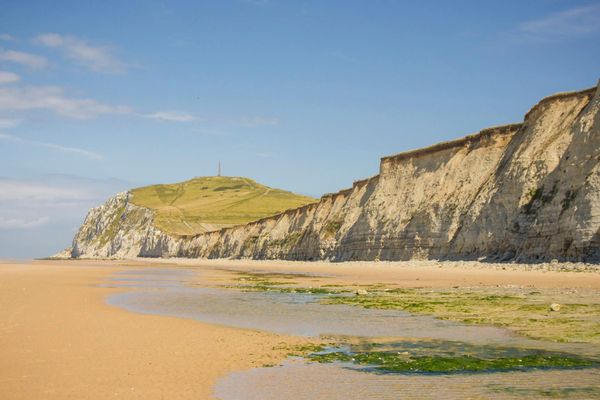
(414, 273)
(60, 340)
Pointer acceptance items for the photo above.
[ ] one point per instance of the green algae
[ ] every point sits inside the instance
(258, 282)
(400, 362)
(526, 313)
(523, 311)
(277, 289)
(304, 350)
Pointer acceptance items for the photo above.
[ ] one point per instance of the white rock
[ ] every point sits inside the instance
(511, 192)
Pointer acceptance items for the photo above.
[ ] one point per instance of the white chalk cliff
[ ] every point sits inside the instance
(523, 192)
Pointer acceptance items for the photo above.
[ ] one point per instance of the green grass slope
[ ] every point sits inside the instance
(210, 203)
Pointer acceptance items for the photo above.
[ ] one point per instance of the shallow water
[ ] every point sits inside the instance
(289, 313)
(302, 381)
(164, 292)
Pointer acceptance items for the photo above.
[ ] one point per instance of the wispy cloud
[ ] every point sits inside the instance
(8, 77)
(53, 146)
(22, 58)
(259, 121)
(578, 21)
(96, 58)
(43, 212)
(19, 191)
(6, 37)
(53, 98)
(16, 223)
(172, 116)
(6, 123)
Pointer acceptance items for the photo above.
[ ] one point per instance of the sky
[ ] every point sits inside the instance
(97, 97)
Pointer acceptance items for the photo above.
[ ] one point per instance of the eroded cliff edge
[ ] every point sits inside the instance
(522, 192)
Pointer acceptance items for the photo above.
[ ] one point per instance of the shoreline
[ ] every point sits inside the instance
(412, 273)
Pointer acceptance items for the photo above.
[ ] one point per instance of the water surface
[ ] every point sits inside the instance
(168, 292)
(288, 313)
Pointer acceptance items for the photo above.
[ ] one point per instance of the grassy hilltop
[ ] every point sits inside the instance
(209, 203)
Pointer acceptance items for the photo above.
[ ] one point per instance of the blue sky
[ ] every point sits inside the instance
(96, 97)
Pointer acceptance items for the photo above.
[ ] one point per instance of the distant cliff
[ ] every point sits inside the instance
(523, 192)
(123, 226)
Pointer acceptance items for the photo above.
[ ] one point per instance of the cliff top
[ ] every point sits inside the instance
(209, 203)
(485, 133)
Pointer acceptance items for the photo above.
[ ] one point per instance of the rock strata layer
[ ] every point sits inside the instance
(522, 192)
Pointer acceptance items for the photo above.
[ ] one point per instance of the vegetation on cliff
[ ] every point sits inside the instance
(209, 203)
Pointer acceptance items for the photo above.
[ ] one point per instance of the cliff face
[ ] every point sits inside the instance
(527, 191)
(117, 228)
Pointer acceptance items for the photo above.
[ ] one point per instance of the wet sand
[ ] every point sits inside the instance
(59, 338)
(411, 274)
(302, 381)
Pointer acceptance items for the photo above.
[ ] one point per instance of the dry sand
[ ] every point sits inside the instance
(60, 340)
